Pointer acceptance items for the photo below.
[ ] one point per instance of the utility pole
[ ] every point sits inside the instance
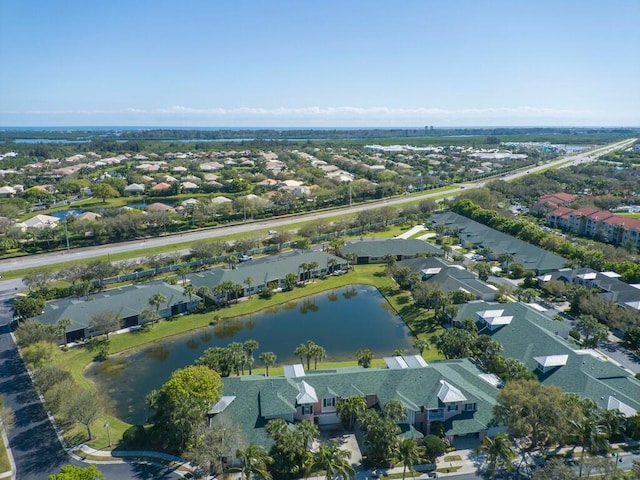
(66, 230)
(349, 193)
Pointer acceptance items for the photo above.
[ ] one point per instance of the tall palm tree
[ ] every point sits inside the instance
(248, 282)
(333, 460)
(319, 354)
(421, 345)
(590, 434)
(156, 300)
(499, 451)
(409, 453)
(254, 460)
(250, 346)
(268, 358)
(311, 267)
(189, 290)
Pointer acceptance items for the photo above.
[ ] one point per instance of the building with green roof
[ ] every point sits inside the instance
(268, 269)
(476, 235)
(452, 393)
(128, 303)
(541, 344)
(374, 250)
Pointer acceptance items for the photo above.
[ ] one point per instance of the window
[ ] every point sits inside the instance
(307, 409)
(452, 408)
(470, 407)
(329, 402)
(435, 414)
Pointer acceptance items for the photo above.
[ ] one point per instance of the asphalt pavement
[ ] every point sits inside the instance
(36, 449)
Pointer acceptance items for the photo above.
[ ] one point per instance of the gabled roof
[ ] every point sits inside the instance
(264, 269)
(534, 336)
(614, 404)
(222, 404)
(307, 393)
(390, 246)
(395, 362)
(450, 394)
(259, 398)
(125, 301)
(294, 371)
(552, 360)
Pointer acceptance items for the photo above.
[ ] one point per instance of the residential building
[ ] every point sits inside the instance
(592, 222)
(472, 234)
(270, 269)
(450, 278)
(128, 303)
(453, 393)
(374, 251)
(612, 288)
(540, 342)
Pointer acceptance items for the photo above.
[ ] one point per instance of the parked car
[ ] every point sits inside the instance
(246, 258)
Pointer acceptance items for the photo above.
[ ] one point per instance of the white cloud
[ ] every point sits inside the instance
(310, 116)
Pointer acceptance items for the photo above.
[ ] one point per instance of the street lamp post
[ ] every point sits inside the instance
(106, 425)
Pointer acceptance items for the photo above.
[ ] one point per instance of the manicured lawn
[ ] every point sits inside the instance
(419, 321)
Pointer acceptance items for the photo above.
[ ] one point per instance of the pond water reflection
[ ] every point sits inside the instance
(342, 321)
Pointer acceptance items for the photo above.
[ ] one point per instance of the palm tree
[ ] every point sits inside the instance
(331, 264)
(350, 409)
(254, 460)
(290, 280)
(318, 353)
(189, 290)
(590, 434)
(303, 266)
(351, 258)
(268, 358)
(333, 460)
(336, 244)
(311, 267)
(421, 345)
(499, 451)
(409, 453)
(364, 357)
(62, 328)
(248, 282)
(156, 300)
(232, 260)
(250, 346)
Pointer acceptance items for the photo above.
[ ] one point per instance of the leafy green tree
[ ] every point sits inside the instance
(364, 357)
(269, 359)
(593, 331)
(7, 417)
(349, 410)
(499, 452)
(434, 447)
(83, 406)
(39, 354)
(182, 402)
(30, 331)
(333, 460)
(104, 191)
(290, 448)
(73, 472)
(211, 444)
(380, 437)
(105, 322)
(547, 408)
(254, 461)
(27, 307)
(290, 281)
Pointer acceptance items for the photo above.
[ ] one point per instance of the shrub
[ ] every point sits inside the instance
(574, 334)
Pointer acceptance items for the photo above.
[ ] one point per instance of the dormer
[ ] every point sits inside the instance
(494, 318)
(450, 394)
(549, 362)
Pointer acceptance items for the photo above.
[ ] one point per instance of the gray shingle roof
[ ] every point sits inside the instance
(533, 334)
(392, 246)
(449, 277)
(125, 301)
(264, 269)
(258, 397)
(529, 256)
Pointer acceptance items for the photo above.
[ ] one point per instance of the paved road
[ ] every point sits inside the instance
(274, 224)
(35, 446)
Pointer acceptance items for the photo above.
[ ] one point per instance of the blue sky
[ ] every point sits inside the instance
(272, 63)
